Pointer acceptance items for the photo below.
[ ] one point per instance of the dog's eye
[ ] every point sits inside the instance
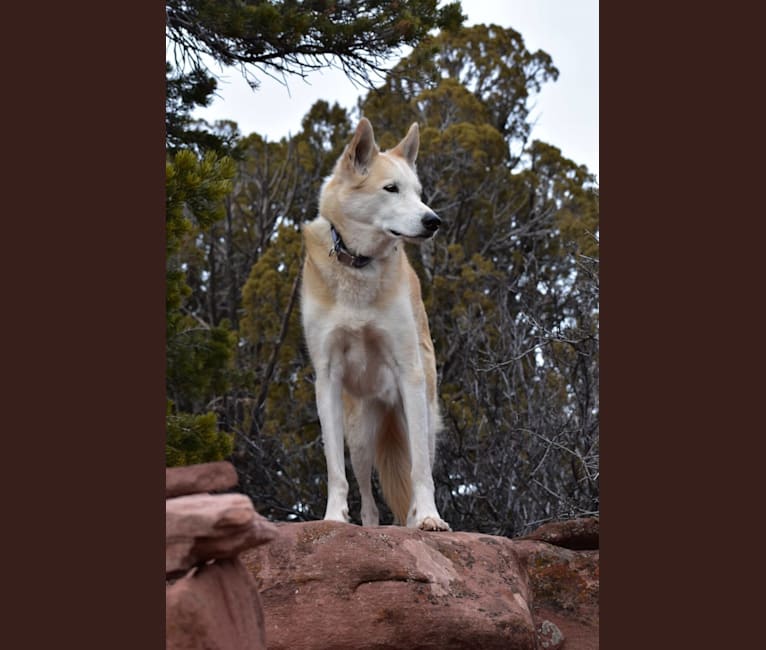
(391, 188)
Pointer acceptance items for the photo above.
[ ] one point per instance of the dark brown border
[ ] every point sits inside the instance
(83, 325)
(679, 246)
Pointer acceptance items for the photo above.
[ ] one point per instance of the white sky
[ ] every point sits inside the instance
(565, 112)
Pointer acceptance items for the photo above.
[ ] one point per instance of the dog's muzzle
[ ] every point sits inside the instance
(430, 222)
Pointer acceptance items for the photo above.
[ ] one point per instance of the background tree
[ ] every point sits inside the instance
(183, 93)
(198, 354)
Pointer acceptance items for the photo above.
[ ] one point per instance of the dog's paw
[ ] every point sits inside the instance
(433, 523)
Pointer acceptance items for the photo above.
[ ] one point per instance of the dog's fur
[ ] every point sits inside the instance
(367, 332)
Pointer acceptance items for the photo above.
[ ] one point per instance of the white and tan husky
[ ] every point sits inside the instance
(367, 331)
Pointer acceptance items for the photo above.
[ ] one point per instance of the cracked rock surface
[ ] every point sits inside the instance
(327, 584)
(334, 585)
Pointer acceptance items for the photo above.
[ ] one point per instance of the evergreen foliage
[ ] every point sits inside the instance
(198, 356)
(193, 439)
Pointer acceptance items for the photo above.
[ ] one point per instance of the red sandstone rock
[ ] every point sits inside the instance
(216, 605)
(577, 534)
(216, 608)
(565, 584)
(200, 527)
(330, 585)
(205, 477)
(334, 585)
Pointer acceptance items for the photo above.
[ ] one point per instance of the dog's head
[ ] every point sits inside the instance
(376, 193)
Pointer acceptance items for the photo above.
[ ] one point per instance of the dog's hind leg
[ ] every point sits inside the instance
(361, 422)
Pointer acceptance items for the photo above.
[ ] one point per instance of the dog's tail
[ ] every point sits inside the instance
(392, 459)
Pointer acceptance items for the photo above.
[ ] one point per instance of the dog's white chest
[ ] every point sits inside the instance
(366, 363)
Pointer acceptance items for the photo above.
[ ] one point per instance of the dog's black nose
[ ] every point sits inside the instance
(431, 222)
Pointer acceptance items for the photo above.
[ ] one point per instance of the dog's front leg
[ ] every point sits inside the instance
(422, 513)
(330, 409)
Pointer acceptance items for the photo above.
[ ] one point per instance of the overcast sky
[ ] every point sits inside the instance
(565, 111)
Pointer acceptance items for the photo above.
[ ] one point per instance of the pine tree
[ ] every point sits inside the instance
(284, 37)
(198, 355)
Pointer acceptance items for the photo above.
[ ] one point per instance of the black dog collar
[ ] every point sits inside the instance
(342, 253)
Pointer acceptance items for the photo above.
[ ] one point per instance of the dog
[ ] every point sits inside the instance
(367, 332)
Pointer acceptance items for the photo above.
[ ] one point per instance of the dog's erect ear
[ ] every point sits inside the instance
(361, 151)
(408, 147)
